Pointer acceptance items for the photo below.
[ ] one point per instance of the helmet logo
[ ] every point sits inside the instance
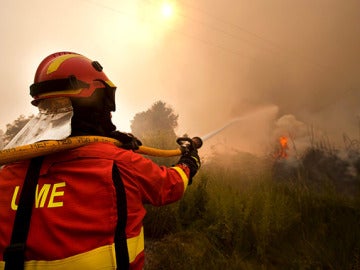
(58, 61)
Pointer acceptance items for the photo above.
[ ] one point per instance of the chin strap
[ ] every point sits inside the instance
(49, 147)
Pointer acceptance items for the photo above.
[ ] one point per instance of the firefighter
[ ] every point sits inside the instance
(81, 208)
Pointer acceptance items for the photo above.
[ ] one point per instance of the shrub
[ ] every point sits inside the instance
(243, 218)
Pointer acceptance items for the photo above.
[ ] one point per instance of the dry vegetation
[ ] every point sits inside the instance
(256, 213)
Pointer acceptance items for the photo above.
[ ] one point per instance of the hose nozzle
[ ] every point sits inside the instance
(187, 144)
(197, 141)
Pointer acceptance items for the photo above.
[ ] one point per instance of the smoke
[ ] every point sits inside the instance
(298, 56)
(217, 63)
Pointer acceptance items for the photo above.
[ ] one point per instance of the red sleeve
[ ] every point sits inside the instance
(158, 185)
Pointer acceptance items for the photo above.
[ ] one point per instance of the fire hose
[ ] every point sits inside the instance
(53, 146)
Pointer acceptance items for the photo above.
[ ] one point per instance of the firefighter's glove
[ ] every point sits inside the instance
(191, 159)
(128, 141)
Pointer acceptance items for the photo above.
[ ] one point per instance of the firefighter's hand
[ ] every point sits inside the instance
(191, 159)
(129, 141)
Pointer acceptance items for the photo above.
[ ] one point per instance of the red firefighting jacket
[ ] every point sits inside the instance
(75, 213)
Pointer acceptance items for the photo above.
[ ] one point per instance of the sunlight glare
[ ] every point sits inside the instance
(167, 10)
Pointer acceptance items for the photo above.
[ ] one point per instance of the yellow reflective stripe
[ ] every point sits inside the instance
(65, 92)
(68, 92)
(135, 245)
(110, 83)
(183, 176)
(99, 258)
(197, 161)
(59, 60)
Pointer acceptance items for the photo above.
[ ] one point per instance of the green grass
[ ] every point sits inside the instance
(241, 216)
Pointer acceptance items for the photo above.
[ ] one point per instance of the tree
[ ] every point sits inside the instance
(156, 128)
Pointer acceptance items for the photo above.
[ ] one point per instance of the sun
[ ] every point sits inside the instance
(167, 10)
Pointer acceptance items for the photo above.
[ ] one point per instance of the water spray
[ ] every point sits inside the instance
(213, 133)
(266, 110)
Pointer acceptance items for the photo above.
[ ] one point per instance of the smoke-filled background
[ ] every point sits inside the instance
(278, 66)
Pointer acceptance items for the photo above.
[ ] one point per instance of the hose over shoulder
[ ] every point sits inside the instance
(50, 147)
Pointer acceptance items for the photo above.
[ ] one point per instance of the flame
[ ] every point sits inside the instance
(283, 140)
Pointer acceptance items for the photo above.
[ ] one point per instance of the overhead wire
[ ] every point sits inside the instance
(236, 32)
(130, 15)
(266, 45)
(198, 38)
(207, 41)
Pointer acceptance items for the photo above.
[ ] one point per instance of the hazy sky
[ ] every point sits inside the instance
(295, 63)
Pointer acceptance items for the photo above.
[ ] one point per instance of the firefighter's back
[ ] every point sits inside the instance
(74, 214)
